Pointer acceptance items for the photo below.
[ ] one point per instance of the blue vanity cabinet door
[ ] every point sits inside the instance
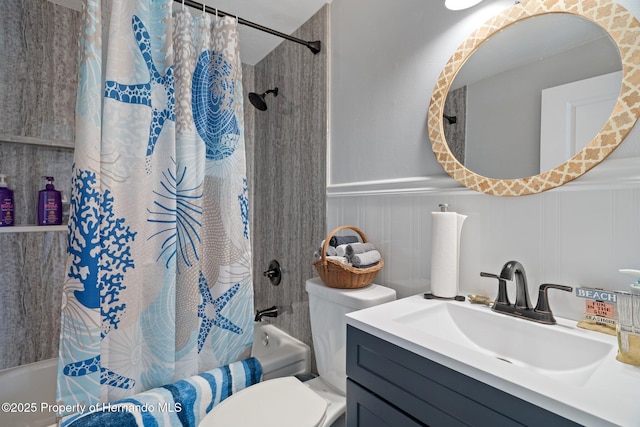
(427, 392)
(366, 409)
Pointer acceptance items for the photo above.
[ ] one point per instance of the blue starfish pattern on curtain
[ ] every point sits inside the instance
(160, 209)
(89, 366)
(204, 312)
(159, 87)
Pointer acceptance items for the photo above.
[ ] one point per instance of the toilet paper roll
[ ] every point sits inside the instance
(445, 233)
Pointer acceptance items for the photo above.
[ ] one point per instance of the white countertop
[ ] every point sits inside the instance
(608, 397)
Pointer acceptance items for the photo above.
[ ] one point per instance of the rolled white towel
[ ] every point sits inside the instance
(358, 248)
(342, 259)
(366, 258)
(341, 250)
(331, 251)
(318, 254)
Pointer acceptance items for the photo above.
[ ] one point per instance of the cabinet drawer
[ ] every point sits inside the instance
(365, 409)
(432, 393)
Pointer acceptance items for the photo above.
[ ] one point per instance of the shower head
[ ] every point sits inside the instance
(258, 100)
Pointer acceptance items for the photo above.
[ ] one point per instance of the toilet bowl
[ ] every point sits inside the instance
(319, 402)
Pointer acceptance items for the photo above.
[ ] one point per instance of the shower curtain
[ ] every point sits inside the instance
(158, 284)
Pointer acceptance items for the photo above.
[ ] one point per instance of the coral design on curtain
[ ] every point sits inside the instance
(159, 260)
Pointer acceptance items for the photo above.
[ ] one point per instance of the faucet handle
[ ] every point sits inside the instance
(502, 297)
(543, 299)
(493, 276)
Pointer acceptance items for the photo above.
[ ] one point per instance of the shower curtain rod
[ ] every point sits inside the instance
(314, 46)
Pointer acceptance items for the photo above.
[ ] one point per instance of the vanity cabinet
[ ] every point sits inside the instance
(390, 386)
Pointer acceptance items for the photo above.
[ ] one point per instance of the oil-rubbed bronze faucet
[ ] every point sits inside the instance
(514, 268)
(522, 307)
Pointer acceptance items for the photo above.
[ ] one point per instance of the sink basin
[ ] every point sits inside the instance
(555, 351)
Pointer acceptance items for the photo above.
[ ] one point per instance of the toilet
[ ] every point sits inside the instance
(320, 402)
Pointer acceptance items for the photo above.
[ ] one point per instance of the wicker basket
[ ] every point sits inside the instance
(338, 275)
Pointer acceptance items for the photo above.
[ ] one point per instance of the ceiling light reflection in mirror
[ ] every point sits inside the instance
(460, 4)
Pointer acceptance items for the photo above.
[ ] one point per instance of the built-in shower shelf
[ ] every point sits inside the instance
(32, 228)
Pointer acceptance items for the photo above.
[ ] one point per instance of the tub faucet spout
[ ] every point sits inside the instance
(267, 312)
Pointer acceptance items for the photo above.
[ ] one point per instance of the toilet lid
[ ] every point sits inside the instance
(284, 402)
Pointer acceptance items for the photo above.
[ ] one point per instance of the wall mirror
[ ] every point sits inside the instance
(486, 110)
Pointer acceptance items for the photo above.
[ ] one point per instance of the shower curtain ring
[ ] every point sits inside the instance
(182, 4)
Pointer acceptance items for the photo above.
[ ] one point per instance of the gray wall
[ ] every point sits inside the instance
(38, 79)
(290, 173)
(38, 75)
(31, 296)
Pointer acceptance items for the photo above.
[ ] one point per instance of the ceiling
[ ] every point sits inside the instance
(285, 16)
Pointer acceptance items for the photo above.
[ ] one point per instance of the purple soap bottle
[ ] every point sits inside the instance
(6, 203)
(49, 204)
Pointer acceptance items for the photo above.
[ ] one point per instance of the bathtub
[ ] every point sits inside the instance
(30, 389)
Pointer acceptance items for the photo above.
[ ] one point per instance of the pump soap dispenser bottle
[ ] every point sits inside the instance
(628, 330)
(6, 203)
(49, 204)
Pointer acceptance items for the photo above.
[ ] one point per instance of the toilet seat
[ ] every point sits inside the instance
(284, 402)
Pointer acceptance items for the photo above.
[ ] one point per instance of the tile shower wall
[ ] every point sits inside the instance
(31, 296)
(289, 183)
(38, 77)
(38, 71)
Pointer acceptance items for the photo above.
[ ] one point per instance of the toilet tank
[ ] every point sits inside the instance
(327, 308)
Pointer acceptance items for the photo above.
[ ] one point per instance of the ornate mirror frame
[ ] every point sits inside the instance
(623, 28)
